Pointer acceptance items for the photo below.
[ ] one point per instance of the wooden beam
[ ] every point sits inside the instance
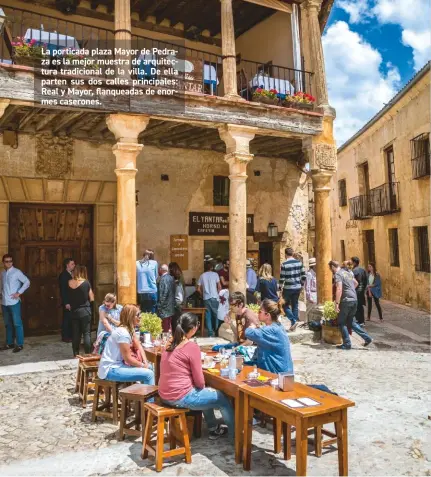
(273, 4)
(152, 6)
(10, 110)
(28, 117)
(65, 122)
(45, 121)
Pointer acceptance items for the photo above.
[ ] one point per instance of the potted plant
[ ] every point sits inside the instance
(330, 331)
(299, 100)
(27, 52)
(151, 323)
(265, 96)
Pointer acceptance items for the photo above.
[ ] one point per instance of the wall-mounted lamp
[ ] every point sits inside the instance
(137, 197)
(272, 230)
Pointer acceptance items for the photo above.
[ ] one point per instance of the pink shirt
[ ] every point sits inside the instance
(180, 372)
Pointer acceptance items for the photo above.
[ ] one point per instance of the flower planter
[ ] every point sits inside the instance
(30, 61)
(331, 335)
(265, 100)
(298, 105)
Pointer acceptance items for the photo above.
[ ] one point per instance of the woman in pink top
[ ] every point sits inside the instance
(182, 381)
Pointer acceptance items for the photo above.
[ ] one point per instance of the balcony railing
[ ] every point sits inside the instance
(384, 199)
(381, 200)
(200, 71)
(359, 207)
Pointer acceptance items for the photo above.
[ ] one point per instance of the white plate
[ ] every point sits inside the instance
(208, 367)
(203, 355)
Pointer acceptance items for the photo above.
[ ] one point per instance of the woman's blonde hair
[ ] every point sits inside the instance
(265, 272)
(80, 272)
(273, 308)
(111, 298)
(127, 318)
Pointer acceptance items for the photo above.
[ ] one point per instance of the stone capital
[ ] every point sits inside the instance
(126, 154)
(237, 138)
(127, 127)
(4, 103)
(312, 5)
(321, 181)
(238, 165)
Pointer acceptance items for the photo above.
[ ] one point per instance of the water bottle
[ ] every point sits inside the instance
(138, 333)
(232, 361)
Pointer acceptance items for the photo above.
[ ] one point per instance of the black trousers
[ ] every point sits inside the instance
(81, 325)
(370, 306)
(360, 315)
(66, 326)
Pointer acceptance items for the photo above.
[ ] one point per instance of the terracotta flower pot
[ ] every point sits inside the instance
(298, 105)
(331, 335)
(265, 99)
(31, 61)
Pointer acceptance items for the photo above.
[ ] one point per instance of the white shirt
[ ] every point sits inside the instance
(111, 356)
(13, 281)
(223, 306)
(208, 282)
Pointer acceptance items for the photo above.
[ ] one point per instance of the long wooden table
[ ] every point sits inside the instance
(267, 400)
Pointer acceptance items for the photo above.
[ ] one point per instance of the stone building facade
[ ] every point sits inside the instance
(380, 199)
(102, 184)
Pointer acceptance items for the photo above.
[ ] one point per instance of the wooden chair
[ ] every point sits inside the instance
(110, 407)
(87, 370)
(159, 415)
(135, 395)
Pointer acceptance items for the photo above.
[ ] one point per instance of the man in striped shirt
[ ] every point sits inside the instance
(293, 278)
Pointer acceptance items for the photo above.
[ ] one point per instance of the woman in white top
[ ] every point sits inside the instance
(118, 351)
(109, 314)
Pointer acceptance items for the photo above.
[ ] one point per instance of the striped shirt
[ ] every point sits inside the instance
(292, 274)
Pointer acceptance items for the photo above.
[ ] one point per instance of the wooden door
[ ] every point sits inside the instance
(40, 238)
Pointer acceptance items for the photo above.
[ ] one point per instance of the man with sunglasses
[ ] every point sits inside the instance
(13, 284)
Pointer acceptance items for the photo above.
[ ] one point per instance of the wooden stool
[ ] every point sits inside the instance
(109, 408)
(137, 394)
(91, 358)
(88, 370)
(160, 414)
(319, 443)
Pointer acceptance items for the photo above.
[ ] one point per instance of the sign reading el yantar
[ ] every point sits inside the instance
(214, 224)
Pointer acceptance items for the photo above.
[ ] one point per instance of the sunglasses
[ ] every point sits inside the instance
(198, 324)
(7, 261)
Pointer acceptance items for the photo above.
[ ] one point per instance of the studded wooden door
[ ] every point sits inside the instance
(40, 238)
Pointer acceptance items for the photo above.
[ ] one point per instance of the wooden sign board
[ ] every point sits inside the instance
(180, 250)
(214, 224)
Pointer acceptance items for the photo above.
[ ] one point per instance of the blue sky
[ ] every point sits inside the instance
(372, 48)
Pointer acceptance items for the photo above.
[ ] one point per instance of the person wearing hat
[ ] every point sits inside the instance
(251, 279)
(311, 284)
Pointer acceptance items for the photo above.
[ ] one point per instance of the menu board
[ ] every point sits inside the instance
(180, 250)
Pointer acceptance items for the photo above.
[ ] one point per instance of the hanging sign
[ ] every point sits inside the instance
(214, 224)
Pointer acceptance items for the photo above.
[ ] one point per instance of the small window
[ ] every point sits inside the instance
(221, 190)
(342, 193)
(394, 248)
(343, 250)
(420, 151)
(422, 253)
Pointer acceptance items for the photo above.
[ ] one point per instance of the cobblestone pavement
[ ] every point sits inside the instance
(44, 431)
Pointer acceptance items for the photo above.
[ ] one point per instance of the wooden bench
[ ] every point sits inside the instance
(157, 416)
(136, 395)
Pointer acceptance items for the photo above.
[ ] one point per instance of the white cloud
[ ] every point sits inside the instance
(413, 17)
(358, 10)
(357, 88)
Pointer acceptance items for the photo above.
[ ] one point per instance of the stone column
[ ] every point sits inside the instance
(323, 245)
(228, 50)
(237, 140)
(316, 50)
(123, 31)
(126, 129)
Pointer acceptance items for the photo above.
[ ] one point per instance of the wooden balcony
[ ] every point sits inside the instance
(359, 207)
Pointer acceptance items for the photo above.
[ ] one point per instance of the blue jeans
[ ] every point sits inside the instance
(291, 298)
(12, 319)
(130, 374)
(206, 400)
(148, 302)
(211, 306)
(346, 319)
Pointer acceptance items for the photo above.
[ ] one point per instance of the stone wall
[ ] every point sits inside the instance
(408, 118)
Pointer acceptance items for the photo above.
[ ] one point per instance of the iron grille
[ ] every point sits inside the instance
(420, 153)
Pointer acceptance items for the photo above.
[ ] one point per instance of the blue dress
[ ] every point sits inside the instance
(114, 313)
